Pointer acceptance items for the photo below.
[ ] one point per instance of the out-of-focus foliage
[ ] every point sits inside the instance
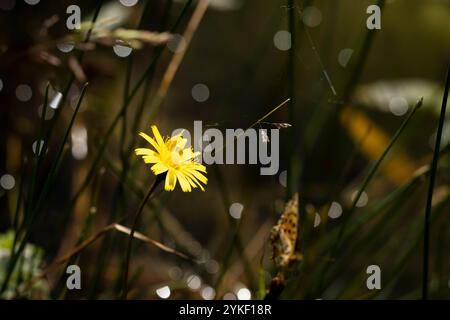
(30, 266)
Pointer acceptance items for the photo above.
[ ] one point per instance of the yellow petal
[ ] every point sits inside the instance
(185, 186)
(149, 159)
(151, 141)
(142, 151)
(198, 167)
(199, 176)
(173, 157)
(148, 155)
(193, 180)
(158, 137)
(159, 168)
(171, 180)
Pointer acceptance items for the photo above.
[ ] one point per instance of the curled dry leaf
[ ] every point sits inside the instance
(282, 125)
(153, 38)
(105, 35)
(284, 235)
(278, 125)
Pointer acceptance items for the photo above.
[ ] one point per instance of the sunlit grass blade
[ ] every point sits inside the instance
(49, 182)
(364, 185)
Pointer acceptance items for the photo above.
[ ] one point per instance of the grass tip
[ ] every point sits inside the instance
(419, 103)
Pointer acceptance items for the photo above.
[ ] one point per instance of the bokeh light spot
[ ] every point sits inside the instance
(32, 2)
(244, 294)
(122, 51)
(335, 210)
(236, 210)
(398, 105)
(128, 3)
(344, 56)
(311, 16)
(7, 181)
(163, 292)
(24, 92)
(200, 92)
(363, 199)
(282, 40)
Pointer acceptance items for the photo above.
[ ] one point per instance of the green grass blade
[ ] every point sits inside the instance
(426, 237)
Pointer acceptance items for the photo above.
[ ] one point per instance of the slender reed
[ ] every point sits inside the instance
(236, 240)
(433, 173)
(292, 172)
(372, 172)
(158, 180)
(42, 147)
(104, 141)
(39, 153)
(175, 63)
(364, 185)
(49, 182)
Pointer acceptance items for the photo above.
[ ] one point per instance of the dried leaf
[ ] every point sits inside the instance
(282, 125)
(284, 235)
(278, 125)
(154, 38)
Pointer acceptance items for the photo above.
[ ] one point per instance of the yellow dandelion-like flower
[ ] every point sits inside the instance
(170, 157)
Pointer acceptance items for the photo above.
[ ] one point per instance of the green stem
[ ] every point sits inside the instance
(104, 141)
(45, 191)
(61, 288)
(426, 236)
(39, 153)
(80, 56)
(292, 166)
(363, 187)
(159, 178)
(372, 172)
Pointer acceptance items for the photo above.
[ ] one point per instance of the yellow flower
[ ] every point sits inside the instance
(172, 158)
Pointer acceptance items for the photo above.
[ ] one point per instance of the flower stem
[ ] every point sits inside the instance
(433, 173)
(158, 179)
